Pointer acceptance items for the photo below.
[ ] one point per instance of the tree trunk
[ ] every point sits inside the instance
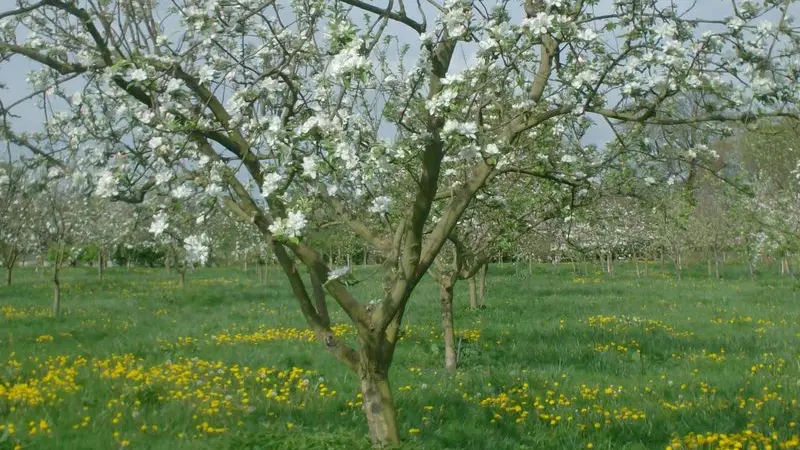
(101, 265)
(446, 296)
(9, 268)
(182, 272)
(636, 263)
(473, 294)
(56, 291)
(716, 264)
(482, 286)
(319, 298)
(378, 403)
(366, 252)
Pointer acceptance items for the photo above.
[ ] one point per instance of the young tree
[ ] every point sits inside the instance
(278, 122)
(14, 209)
(57, 219)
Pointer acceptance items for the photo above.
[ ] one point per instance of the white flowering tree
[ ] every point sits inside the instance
(768, 159)
(14, 204)
(283, 112)
(110, 224)
(56, 218)
(507, 211)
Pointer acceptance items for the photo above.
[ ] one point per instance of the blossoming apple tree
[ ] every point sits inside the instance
(282, 110)
(14, 204)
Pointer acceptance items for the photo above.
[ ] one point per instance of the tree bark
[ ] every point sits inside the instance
(182, 272)
(378, 402)
(56, 291)
(319, 298)
(8, 275)
(473, 294)
(482, 290)
(446, 296)
(101, 264)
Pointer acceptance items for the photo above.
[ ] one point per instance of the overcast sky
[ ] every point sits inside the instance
(13, 73)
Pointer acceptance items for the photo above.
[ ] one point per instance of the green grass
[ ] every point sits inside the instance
(713, 356)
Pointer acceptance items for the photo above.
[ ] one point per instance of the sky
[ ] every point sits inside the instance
(13, 73)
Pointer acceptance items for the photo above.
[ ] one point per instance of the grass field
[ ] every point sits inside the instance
(554, 362)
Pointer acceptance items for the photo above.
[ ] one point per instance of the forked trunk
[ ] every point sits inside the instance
(378, 403)
(446, 297)
(473, 293)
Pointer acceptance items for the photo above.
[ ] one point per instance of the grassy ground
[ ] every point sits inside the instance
(555, 362)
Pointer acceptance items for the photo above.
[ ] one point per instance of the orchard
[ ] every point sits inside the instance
(237, 223)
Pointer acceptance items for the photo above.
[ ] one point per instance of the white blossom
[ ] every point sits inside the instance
(159, 224)
(163, 176)
(310, 167)
(539, 24)
(181, 192)
(337, 273)
(106, 185)
(291, 227)
(380, 205)
(453, 127)
(196, 247)
(137, 75)
(347, 61)
(271, 182)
